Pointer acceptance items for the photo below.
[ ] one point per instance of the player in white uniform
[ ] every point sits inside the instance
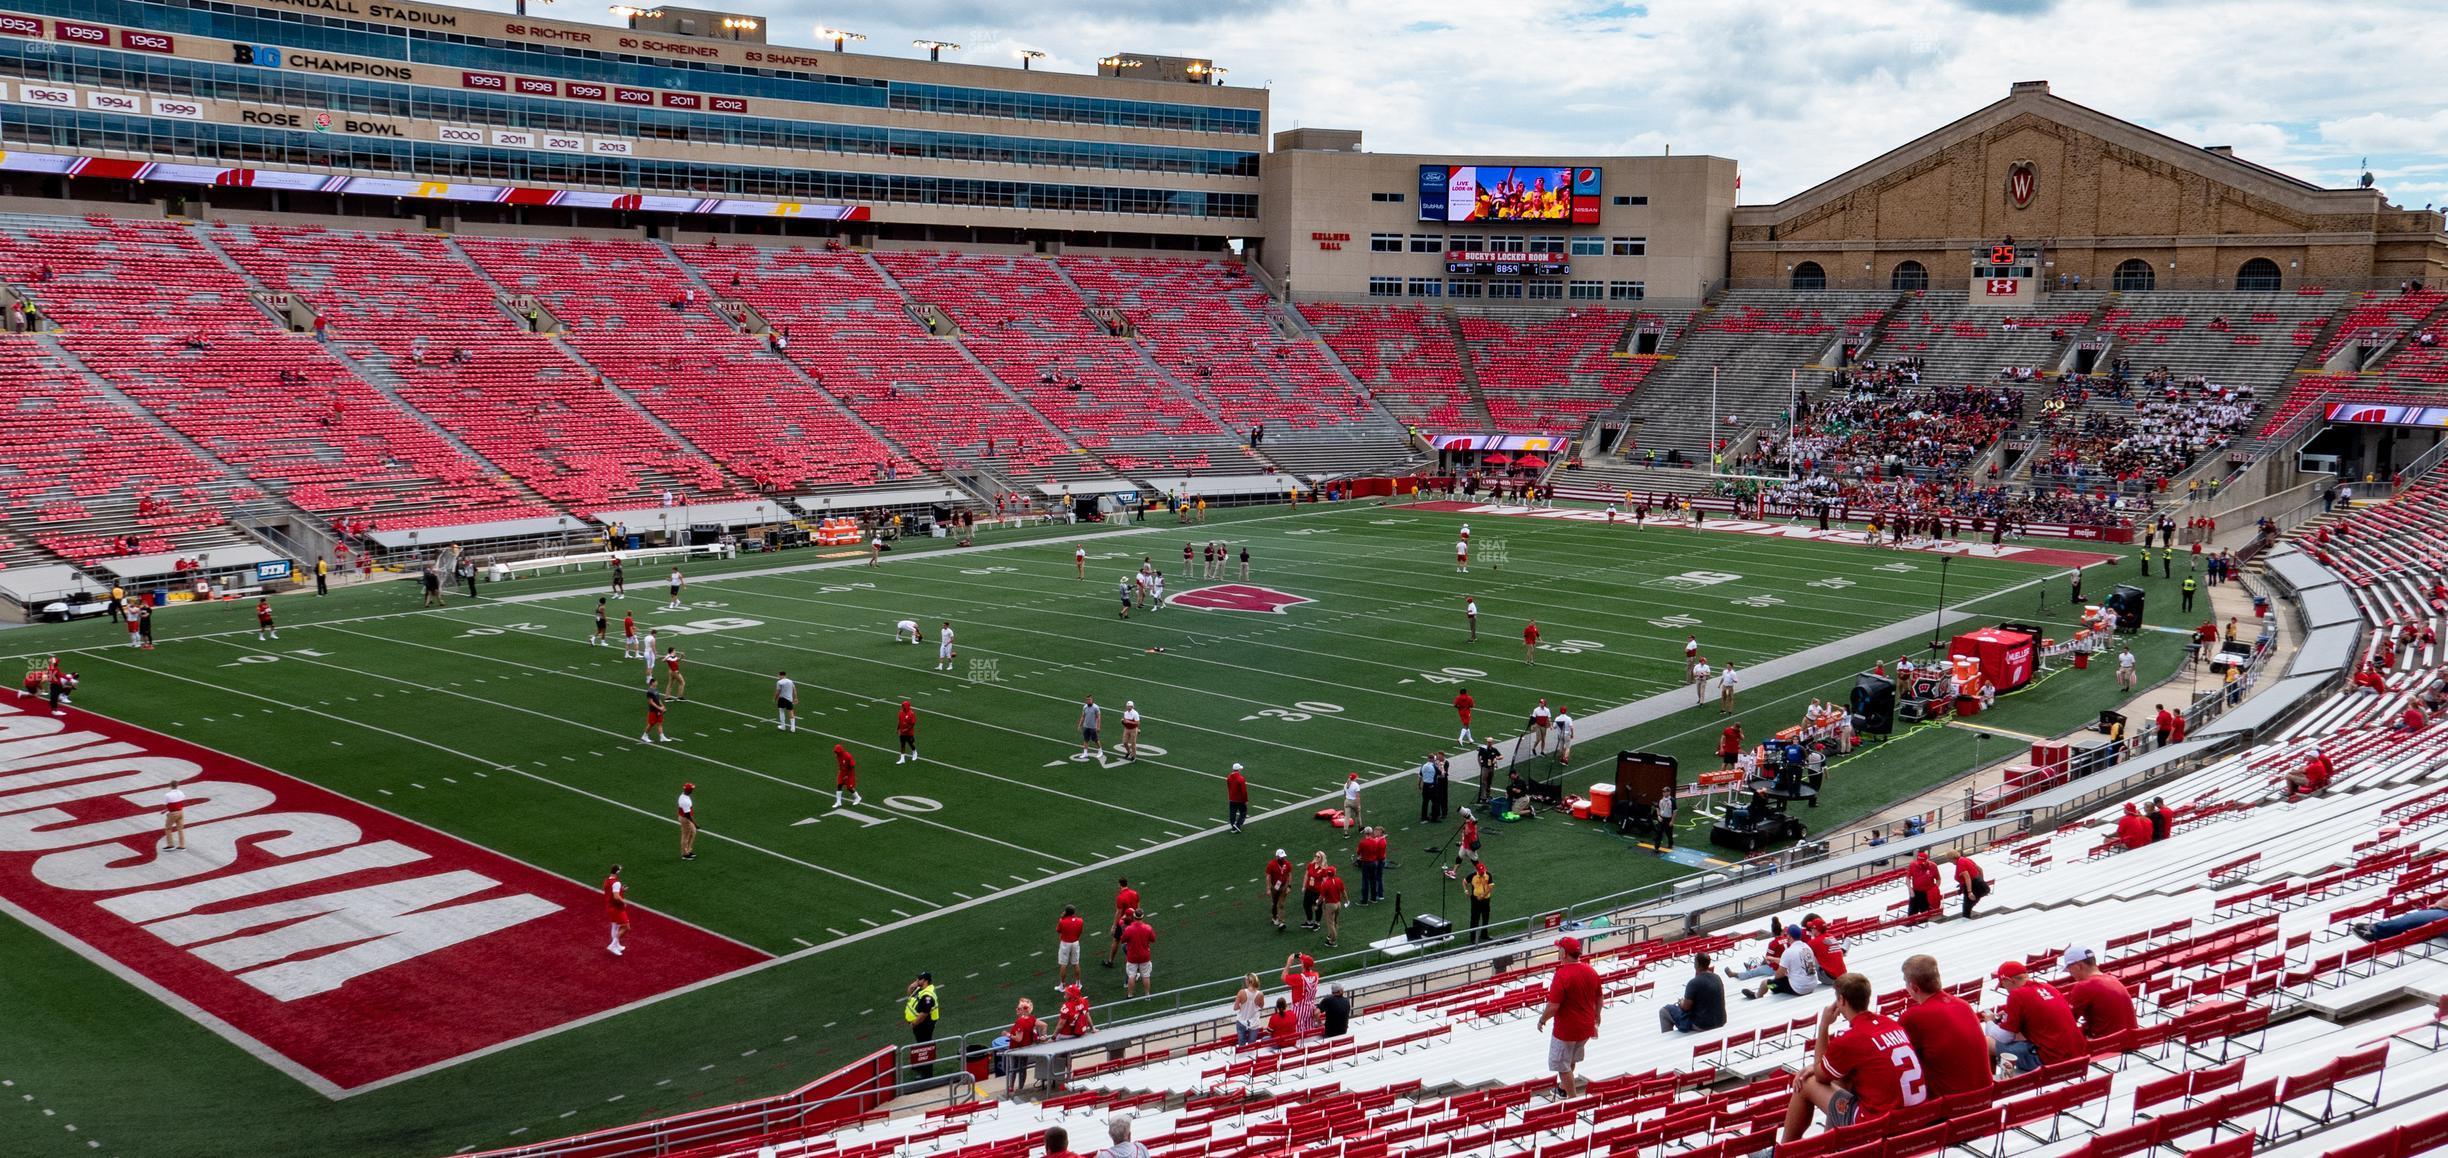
(1156, 589)
(1462, 556)
(786, 703)
(943, 647)
(649, 645)
(1079, 560)
(675, 583)
(907, 629)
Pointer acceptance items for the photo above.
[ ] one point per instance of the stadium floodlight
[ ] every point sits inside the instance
(935, 48)
(839, 37)
(739, 26)
(1118, 63)
(1027, 55)
(521, 6)
(633, 15)
(1215, 73)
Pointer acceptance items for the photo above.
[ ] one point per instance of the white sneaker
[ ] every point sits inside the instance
(837, 800)
(616, 950)
(794, 725)
(643, 738)
(855, 798)
(901, 759)
(781, 727)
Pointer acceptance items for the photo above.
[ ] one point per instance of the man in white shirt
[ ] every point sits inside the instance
(687, 812)
(1130, 729)
(1470, 614)
(786, 703)
(1691, 649)
(1541, 718)
(675, 583)
(1564, 736)
(1700, 679)
(943, 647)
(2125, 668)
(907, 629)
(651, 653)
(1726, 682)
(1797, 972)
(1351, 804)
(174, 818)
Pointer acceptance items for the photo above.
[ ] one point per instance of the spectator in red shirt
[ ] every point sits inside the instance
(1574, 1006)
(1921, 877)
(2313, 776)
(1126, 902)
(1283, 1026)
(1313, 881)
(1067, 930)
(1279, 886)
(1330, 904)
(1729, 744)
(1236, 799)
(1057, 1140)
(1823, 948)
(2037, 1026)
(2163, 725)
(1945, 1032)
(1372, 857)
(1072, 1019)
(1023, 1034)
(1463, 703)
(1971, 882)
(1864, 1067)
(2101, 1003)
(1300, 980)
(1138, 941)
(2133, 828)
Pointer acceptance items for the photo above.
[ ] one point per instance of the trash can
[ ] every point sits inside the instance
(161, 597)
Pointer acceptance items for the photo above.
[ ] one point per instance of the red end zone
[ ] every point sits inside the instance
(337, 941)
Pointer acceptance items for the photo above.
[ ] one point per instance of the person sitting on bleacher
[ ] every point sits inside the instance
(1796, 970)
(1702, 1005)
(1766, 965)
(2036, 1027)
(1824, 951)
(2434, 699)
(2313, 776)
(2368, 679)
(1945, 1032)
(2407, 923)
(2133, 828)
(2101, 1003)
(1859, 1066)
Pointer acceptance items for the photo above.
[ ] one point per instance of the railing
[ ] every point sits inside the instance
(829, 1102)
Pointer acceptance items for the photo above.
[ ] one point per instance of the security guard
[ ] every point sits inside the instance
(2188, 593)
(322, 576)
(922, 1011)
(2146, 562)
(118, 602)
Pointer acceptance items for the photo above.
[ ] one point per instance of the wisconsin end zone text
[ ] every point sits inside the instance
(343, 944)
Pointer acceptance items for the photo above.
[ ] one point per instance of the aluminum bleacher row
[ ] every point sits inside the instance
(2391, 559)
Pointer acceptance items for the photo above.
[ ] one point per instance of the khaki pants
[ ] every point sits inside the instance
(1334, 920)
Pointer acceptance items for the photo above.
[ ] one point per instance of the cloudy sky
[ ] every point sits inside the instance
(1797, 90)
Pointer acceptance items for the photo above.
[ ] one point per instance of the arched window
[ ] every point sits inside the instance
(2258, 274)
(2134, 274)
(1808, 276)
(1908, 277)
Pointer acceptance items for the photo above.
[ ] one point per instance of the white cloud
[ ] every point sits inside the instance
(1797, 90)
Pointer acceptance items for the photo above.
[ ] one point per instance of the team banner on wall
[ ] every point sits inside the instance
(112, 168)
(2389, 414)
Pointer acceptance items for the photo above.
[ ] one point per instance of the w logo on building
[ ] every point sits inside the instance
(2022, 183)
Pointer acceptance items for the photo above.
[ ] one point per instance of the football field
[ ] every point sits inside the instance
(395, 944)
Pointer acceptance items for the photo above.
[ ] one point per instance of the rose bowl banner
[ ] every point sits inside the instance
(342, 944)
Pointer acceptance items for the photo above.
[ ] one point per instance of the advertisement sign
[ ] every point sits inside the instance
(272, 570)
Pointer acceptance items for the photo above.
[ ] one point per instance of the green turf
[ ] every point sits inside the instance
(396, 702)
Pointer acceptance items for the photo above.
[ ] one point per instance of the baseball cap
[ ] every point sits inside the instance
(924, 975)
(1355, 776)
(1281, 854)
(1571, 945)
(2076, 956)
(1795, 932)
(688, 788)
(1466, 813)
(1236, 767)
(2010, 969)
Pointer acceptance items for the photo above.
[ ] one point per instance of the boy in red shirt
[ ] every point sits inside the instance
(1072, 1020)
(1126, 902)
(845, 776)
(1067, 930)
(1864, 1068)
(1945, 1032)
(2101, 1003)
(1574, 1005)
(1138, 955)
(2037, 1026)
(1463, 703)
(1236, 798)
(263, 620)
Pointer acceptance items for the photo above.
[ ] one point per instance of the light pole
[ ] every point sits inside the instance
(634, 14)
(1938, 617)
(935, 48)
(739, 26)
(1027, 55)
(839, 37)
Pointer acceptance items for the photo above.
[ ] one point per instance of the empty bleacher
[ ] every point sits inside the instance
(406, 306)
(154, 312)
(77, 470)
(1960, 340)
(1754, 342)
(1410, 359)
(625, 308)
(1550, 373)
